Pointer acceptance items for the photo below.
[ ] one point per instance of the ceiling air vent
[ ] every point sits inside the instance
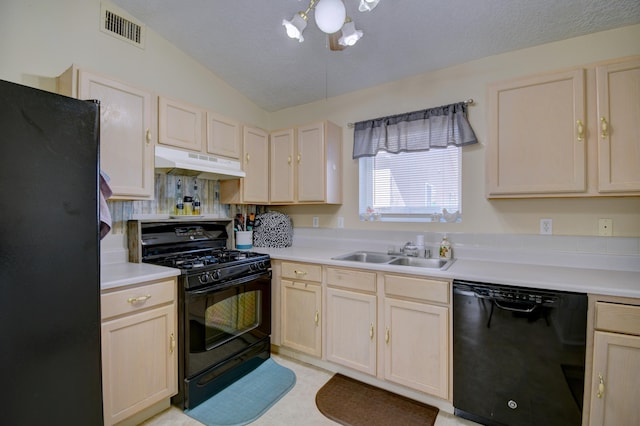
(121, 26)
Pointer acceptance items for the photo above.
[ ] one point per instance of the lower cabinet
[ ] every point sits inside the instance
(416, 334)
(616, 365)
(301, 304)
(139, 353)
(351, 333)
(405, 341)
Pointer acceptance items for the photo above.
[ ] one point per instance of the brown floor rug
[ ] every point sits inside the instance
(350, 402)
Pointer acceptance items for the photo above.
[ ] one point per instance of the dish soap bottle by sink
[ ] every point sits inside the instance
(445, 248)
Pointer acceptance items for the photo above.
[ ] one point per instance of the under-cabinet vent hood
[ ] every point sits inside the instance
(177, 162)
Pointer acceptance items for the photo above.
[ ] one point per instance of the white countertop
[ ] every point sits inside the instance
(121, 274)
(584, 280)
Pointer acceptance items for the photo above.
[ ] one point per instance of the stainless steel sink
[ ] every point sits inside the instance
(366, 256)
(392, 259)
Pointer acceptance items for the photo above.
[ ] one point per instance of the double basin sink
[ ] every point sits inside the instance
(392, 259)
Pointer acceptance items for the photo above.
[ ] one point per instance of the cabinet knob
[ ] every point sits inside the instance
(299, 158)
(580, 129)
(317, 318)
(386, 336)
(600, 393)
(289, 160)
(371, 331)
(148, 136)
(604, 128)
(172, 342)
(248, 157)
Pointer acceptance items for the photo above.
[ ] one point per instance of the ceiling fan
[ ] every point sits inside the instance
(331, 18)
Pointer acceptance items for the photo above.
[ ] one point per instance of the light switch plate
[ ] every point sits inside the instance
(605, 227)
(316, 222)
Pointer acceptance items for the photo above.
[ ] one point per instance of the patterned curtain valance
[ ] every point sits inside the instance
(414, 131)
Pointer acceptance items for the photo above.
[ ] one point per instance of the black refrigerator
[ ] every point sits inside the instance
(50, 369)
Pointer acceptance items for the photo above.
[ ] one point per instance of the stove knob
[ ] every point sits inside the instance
(262, 266)
(204, 278)
(215, 275)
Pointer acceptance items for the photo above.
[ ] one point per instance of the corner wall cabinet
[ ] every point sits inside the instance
(139, 353)
(126, 145)
(616, 365)
(572, 133)
(301, 304)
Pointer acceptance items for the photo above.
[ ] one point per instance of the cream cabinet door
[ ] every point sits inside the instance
(618, 131)
(616, 378)
(179, 124)
(256, 165)
(416, 352)
(223, 136)
(351, 329)
(301, 307)
(138, 362)
(282, 166)
(311, 162)
(126, 136)
(537, 134)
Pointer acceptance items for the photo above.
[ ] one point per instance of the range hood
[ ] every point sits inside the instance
(177, 162)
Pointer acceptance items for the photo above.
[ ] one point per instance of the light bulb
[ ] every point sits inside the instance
(330, 15)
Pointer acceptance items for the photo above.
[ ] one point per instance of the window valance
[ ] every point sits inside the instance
(414, 131)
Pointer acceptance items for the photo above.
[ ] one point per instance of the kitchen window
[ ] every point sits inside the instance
(411, 165)
(412, 186)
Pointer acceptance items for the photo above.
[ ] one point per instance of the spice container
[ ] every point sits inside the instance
(179, 205)
(188, 205)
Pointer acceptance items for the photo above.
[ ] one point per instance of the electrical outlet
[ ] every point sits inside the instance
(316, 222)
(546, 226)
(605, 227)
(340, 222)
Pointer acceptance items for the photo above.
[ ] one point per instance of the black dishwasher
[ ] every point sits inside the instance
(518, 354)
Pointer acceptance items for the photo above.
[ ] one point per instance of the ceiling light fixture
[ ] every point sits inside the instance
(331, 17)
(367, 5)
(350, 35)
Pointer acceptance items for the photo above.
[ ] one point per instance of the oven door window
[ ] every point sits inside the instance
(231, 316)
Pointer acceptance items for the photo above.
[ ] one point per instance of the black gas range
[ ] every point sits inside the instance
(224, 302)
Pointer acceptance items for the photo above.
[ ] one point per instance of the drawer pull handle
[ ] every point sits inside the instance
(386, 335)
(172, 342)
(303, 273)
(580, 128)
(138, 299)
(600, 386)
(604, 127)
(317, 318)
(371, 331)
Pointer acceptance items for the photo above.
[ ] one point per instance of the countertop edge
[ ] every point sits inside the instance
(116, 275)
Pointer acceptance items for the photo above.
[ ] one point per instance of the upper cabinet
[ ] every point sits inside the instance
(179, 124)
(618, 124)
(127, 138)
(319, 163)
(255, 146)
(282, 161)
(186, 126)
(566, 134)
(223, 135)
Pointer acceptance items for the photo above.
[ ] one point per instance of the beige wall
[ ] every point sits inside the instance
(469, 80)
(39, 39)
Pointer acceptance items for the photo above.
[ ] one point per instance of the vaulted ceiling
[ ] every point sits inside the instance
(244, 43)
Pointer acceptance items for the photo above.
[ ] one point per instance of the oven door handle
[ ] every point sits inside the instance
(521, 310)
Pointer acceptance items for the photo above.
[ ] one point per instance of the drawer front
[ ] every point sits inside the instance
(618, 318)
(302, 271)
(349, 278)
(417, 288)
(137, 298)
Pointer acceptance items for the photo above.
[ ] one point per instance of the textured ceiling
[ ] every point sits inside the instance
(244, 43)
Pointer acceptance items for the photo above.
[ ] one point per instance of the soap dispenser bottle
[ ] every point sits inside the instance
(445, 248)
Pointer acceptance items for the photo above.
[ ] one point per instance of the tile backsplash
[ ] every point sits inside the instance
(163, 202)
